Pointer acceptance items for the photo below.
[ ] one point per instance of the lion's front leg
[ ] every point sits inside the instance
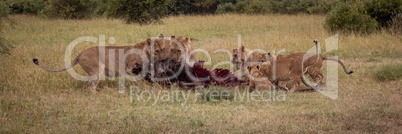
(296, 84)
(251, 87)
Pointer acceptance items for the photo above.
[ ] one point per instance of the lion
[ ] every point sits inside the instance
(180, 49)
(239, 56)
(315, 60)
(99, 60)
(179, 52)
(239, 59)
(315, 63)
(285, 69)
(258, 84)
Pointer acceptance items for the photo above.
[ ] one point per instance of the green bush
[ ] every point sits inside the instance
(383, 10)
(301, 6)
(389, 72)
(70, 9)
(252, 6)
(278, 6)
(138, 11)
(27, 6)
(225, 8)
(101, 7)
(349, 17)
(396, 26)
(177, 7)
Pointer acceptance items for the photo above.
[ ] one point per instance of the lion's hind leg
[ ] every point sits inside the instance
(282, 84)
(94, 72)
(316, 75)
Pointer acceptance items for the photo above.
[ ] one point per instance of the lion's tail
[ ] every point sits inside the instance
(326, 58)
(340, 62)
(306, 68)
(75, 61)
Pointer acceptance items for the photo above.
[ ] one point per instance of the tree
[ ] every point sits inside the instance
(138, 11)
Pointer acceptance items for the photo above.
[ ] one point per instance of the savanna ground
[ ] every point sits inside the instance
(33, 100)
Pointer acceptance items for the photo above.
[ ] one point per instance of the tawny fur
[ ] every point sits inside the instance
(257, 81)
(92, 63)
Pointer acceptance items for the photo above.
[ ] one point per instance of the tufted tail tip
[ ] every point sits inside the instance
(35, 61)
(350, 72)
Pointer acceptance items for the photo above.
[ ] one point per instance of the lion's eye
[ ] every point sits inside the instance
(157, 51)
(235, 56)
(178, 51)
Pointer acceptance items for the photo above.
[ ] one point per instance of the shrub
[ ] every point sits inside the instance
(301, 6)
(383, 10)
(138, 11)
(252, 6)
(396, 26)
(225, 8)
(349, 17)
(177, 7)
(389, 72)
(27, 6)
(289, 6)
(70, 9)
(101, 7)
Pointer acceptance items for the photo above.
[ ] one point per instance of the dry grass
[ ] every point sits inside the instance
(32, 100)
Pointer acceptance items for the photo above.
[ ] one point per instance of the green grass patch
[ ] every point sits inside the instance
(389, 72)
(217, 94)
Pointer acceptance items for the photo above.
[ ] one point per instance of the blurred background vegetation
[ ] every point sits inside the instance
(345, 16)
(350, 16)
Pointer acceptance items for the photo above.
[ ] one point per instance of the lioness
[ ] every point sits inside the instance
(180, 50)
(91, 60)
(178, 53)
(286, 69)
(315, 63)
(240, 60)
(258, 84)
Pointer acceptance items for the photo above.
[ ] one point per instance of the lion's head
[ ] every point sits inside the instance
(157, 48)
(179, 47)
(238, 55)
(253, 68)
(242, 55)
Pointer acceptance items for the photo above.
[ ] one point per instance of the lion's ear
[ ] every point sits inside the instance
(161, 36)
(172, 36)
(248, 67)
(242, 48)
(187, 39)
